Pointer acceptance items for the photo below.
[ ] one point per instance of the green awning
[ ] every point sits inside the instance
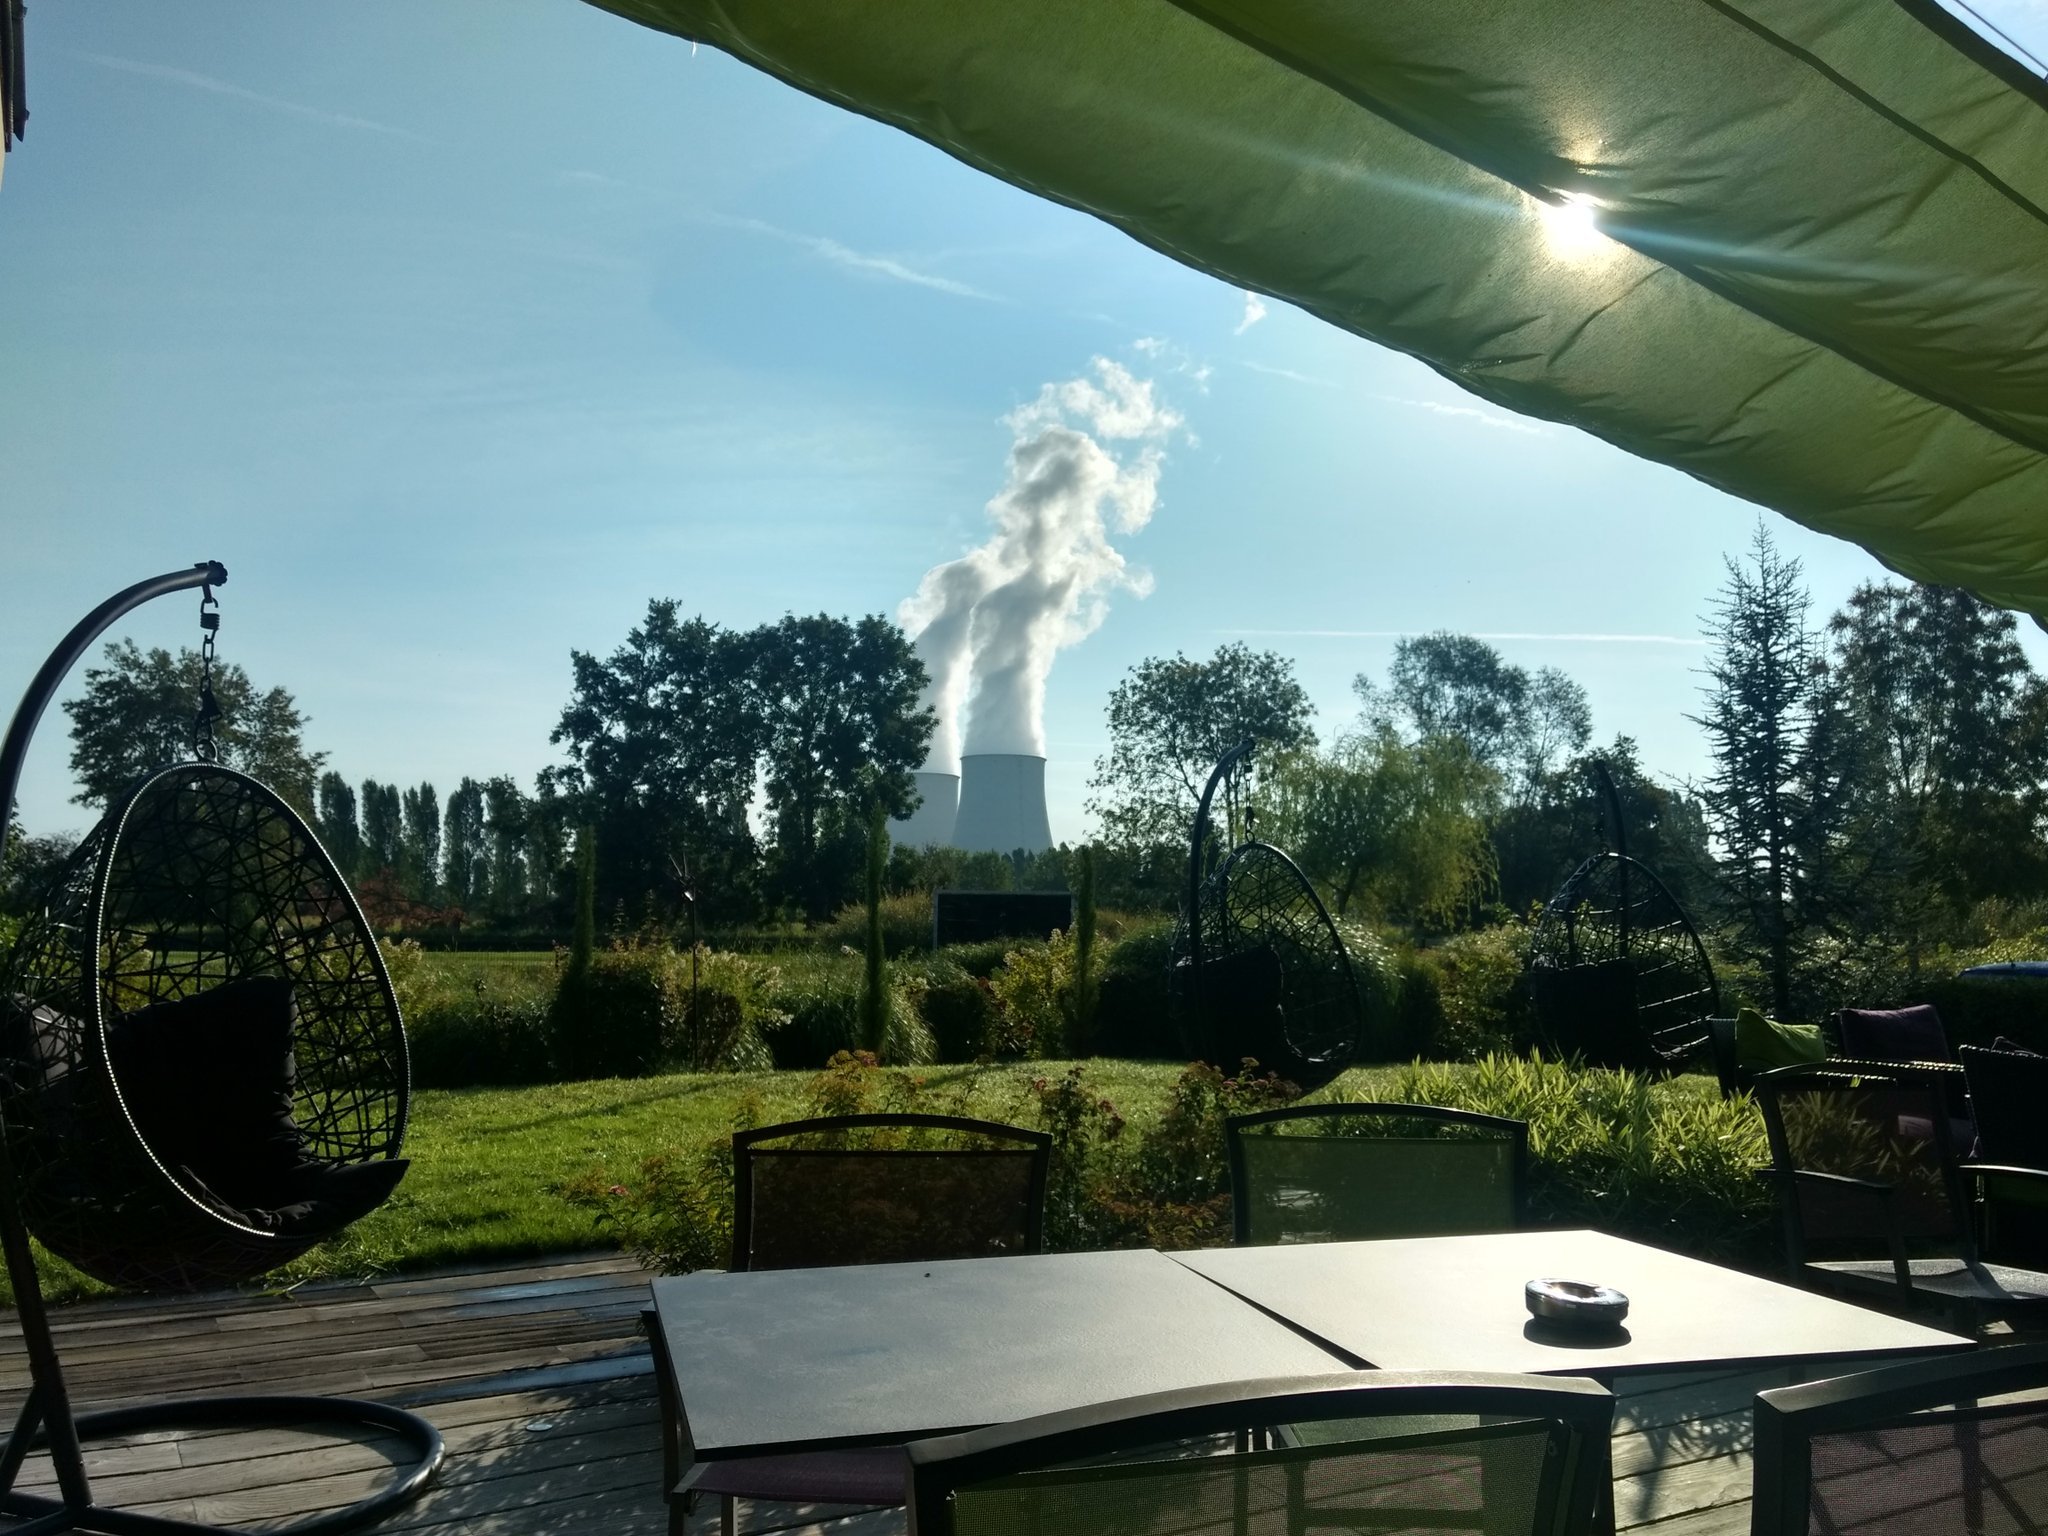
(1824, 285)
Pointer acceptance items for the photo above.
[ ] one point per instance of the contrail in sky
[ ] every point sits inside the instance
(1582, 638)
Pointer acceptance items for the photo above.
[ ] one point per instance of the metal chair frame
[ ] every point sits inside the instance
(1236, 1127)
(730, 1481)
(1580, 1411)
(1788, 1418)
(1038, 1145)
(1935, 1080)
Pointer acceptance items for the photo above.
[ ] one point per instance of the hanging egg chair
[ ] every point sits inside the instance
(1617, 974)
(202, 1074)
(1257, 968)
(206, 1072)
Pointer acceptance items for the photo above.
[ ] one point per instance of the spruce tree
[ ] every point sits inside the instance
(1759, 719)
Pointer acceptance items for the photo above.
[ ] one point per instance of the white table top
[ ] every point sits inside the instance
(1455, 1304)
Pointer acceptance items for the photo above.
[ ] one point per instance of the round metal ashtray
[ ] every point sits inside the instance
(1575, 1304)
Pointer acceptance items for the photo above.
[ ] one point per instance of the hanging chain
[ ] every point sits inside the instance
(204, 747)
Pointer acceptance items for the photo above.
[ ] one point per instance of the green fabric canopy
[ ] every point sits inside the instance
(1824, 282)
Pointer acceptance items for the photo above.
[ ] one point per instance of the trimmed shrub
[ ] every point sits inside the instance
(483, 1042)
(958, 1007)
(1133, 1014)
(1031, 989)
(906, 926)
(1483, 1003)
(1670, 1163)
(983, 959)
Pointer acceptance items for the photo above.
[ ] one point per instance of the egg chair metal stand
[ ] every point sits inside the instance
(197, 879)
(1617, 974)
(1257, 968)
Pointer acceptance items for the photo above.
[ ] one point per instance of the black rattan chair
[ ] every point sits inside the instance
(1872, 1197)
(203, 1072)
(1381, 1451)
(1311, 1173)
(859, 1189)
(1909, 1449)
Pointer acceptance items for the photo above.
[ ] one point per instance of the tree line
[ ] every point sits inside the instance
(1878, 781)
(736, 770)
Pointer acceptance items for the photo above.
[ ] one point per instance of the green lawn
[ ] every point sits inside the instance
(487, 1162)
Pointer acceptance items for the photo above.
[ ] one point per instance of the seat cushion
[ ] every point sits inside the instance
(209, 1082)
(1761, 1043)
(1893, 1034)
(1952, 1278)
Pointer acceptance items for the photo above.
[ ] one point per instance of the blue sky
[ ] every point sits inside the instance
(457, 332)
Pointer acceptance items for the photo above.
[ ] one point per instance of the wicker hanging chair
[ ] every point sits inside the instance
(1617, 974)
(1257, 968)
(205, 1067)
(202, 1074)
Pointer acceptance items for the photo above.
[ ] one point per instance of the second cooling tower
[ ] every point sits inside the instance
(1002, 804)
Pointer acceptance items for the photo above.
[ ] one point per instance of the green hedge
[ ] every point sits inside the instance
(1139, 1160)
(1977, 1010)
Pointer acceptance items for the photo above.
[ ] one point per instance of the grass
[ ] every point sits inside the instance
(487, 1162)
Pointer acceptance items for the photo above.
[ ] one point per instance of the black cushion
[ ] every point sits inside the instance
(209, 1082)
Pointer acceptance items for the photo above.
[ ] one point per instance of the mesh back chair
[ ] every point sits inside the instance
(1313, 1173)
(861, 1189)
(1871, 1195)
(1909, 1449)
(1396, 1451)
(2008, 1096)
(806, 1194)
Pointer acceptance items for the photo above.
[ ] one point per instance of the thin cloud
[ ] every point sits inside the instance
(1289, 373)
(208, 83)
(1254, 312)
(1485, 418)
(821, 246)
(828, 249)
(1577, 637)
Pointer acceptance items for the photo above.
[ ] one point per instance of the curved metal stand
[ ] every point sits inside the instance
(46, 1416)
(45, 1514)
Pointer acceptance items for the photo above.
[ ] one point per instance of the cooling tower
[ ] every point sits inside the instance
(1002, 804)
(931, 824)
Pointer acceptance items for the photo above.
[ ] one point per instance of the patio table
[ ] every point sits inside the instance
(801, 1359)
(1455, 1304)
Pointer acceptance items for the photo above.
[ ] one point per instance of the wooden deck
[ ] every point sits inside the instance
(540, 1382)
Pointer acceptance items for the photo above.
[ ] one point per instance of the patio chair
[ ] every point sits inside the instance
(2009, 1097)
(1872, 1196)
(1397, 1451)
(1907, 1449)
(816, 1193)
(1334, 1172)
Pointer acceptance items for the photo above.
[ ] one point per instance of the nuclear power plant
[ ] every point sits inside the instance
(1084, 460)
(1002, 804)
(931, 824)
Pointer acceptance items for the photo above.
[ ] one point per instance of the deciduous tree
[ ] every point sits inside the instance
(840, 729)
(1172, 719)
(137, 714)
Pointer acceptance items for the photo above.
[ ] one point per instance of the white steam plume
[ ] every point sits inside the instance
(989, 624)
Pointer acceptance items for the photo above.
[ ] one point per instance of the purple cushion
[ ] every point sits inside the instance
(1893, 1034)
